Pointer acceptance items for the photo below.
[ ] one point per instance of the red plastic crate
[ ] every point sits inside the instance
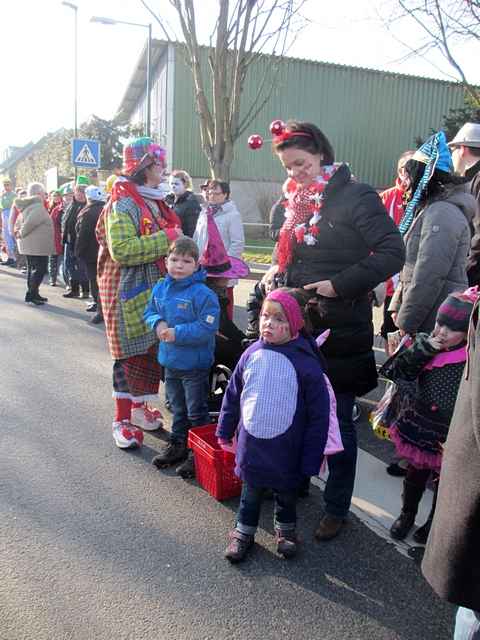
(213, 466)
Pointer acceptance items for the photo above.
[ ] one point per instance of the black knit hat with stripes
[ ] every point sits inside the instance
(454, 312)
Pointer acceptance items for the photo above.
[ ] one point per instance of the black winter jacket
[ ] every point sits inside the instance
(69, 221)
(187, 208)
(358, 247)
(86, 245)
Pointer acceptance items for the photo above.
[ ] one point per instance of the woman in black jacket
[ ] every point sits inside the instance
(86, 245)
(185, 203)
(337, 242)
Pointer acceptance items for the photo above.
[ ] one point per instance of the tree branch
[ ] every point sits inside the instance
(157, 19)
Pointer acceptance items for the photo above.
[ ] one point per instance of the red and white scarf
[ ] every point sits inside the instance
(302, 212)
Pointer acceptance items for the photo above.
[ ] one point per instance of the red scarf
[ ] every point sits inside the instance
(302, 203)
(148, 222)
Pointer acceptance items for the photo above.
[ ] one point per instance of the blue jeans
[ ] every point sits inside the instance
(285, 509)
(7, 236)
(467, 624)
(342, 466)
(187, 393)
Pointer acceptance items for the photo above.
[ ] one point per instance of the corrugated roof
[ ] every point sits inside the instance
(136, 85)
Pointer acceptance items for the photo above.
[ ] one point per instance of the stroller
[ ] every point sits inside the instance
(229, 346)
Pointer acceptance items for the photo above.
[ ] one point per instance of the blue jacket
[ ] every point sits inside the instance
(277, 402)
(192, 309)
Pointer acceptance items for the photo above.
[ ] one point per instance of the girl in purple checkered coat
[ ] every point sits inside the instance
(277, 403)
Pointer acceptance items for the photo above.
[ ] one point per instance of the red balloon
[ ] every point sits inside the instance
(255, 141)
(277, 127)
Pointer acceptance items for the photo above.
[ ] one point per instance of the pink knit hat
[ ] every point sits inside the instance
(291, 308)
(215, 260)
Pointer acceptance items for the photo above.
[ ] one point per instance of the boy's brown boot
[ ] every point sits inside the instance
(329, 527)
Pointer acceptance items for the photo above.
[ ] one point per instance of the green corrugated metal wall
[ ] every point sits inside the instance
(369, 116)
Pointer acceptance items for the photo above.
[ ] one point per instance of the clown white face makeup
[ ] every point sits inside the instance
(177, 186)
(274, 327)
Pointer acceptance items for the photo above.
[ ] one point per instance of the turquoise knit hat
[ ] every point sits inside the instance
(434, 154)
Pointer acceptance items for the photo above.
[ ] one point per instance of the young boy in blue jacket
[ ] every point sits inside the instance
(185, 313)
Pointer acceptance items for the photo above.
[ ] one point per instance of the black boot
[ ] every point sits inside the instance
(412, 494)
(421, 534)
(73, 291)
(187, 469)
(173, 452)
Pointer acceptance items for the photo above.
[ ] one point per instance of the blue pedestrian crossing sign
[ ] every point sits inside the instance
(85, 153)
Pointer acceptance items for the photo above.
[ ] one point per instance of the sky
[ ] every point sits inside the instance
(36, 47)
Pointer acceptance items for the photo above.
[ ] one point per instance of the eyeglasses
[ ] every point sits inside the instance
(214, 193)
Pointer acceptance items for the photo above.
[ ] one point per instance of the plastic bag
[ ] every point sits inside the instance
(379, 417)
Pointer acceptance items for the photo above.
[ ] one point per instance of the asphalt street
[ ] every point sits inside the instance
(96, 544)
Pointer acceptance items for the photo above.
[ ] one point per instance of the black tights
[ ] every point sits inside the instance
(420, 477)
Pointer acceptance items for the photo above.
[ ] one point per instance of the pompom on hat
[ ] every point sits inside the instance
(142, 153)
(215, 260)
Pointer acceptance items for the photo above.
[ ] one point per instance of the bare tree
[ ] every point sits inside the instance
(244, 29)
(445, 24)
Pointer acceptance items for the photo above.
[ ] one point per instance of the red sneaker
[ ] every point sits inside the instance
(126, 436)
(148, 419)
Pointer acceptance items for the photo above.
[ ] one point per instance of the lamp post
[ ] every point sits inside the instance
(111, 21)
(75, 64)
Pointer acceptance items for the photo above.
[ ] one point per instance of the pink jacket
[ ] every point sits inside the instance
(334, 439)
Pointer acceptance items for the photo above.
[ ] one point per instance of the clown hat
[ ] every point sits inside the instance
(141, 153)
(215, 260)
(434, 154)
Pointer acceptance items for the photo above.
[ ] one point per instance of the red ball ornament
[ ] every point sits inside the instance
(277, 127)
(255, 142)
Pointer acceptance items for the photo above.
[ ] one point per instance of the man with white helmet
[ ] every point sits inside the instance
(86, 246)
(465, 148)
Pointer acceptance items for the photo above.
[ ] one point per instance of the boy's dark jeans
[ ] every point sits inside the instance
(187, 393)
(285, 509)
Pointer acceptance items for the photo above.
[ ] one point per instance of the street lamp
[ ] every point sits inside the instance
(75, 9)
(111, 21)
